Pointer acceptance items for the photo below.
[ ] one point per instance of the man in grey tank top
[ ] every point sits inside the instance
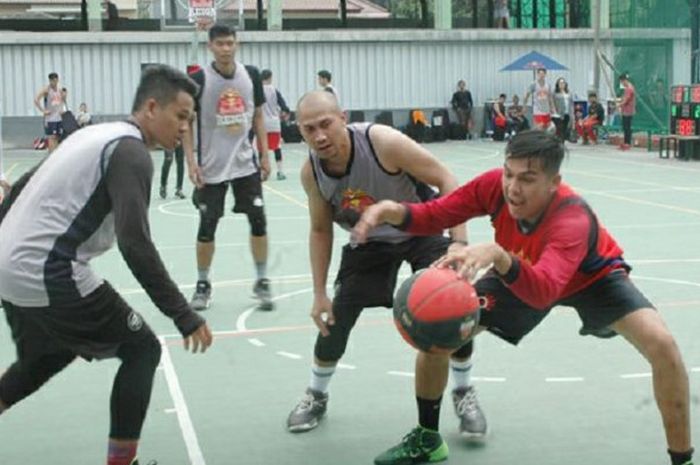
(51, 102)
(70, 209)
(350, 167)
(229, 112)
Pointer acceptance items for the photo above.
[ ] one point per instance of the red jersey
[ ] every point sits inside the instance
(566, 251)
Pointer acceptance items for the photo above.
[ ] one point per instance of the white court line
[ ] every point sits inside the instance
(345, 366)
(636, 375)
(285, 196)
(256, 342)
(665, 280)
(665, 260)
(282, 353)
(690, 211)
(406, 374)
(170, 410)
(489, 379)
(571, 379)
(163, 209)
(10, 169)
(288, 279)
(183, 414)
(685, 168)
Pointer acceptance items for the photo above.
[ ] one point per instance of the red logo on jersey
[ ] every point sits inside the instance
(356, 200)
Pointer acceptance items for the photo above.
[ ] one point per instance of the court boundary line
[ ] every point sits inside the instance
(184, 420)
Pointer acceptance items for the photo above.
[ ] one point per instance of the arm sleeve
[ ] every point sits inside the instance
(476, 198)
(542, 284)
(258, 93)
(128, 180)
(198, 77)
(282, 103)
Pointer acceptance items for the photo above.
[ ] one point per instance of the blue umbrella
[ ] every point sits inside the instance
(533, 61)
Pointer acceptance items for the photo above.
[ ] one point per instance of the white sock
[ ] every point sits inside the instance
(461, 373)
(320, 377)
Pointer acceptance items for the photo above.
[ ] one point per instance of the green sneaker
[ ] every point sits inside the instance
(419, 446)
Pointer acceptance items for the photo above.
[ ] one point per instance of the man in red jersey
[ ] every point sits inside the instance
(550, 250)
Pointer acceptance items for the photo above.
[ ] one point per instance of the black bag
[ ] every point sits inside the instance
(457, 131)
(357, 116)
(69, 123)
(291, 133)
(386, 118)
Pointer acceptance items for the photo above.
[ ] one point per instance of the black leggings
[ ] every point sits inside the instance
(627, 128)
(168, 161)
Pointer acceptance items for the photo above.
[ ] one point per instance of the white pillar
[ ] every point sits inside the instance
(274, 15)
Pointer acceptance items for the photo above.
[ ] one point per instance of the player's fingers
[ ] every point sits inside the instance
(330, 320)
(186, 342)
(320, 324)
(208, 336)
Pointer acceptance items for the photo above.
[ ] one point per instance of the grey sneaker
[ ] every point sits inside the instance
(261, 290)
(308, 412)
(163, 193)
(179, 194)
(202, 296)
(472, 422)
(281, 176)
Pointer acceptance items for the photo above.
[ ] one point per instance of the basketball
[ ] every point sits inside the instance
(436, 311)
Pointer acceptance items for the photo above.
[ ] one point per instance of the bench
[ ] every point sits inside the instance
(683, 147)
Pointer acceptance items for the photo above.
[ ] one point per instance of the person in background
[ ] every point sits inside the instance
(516, 115)
(274, 108)
(563, 105)
(462, 104)
(628, 108)
(586, 127)
(84, 118)
(501, 14)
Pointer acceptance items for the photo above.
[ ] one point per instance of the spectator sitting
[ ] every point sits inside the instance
(516, 115)
(596, 115)
(500, 122)
(84, 118)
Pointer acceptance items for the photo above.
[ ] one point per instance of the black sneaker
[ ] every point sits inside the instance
(281, 176)
(472, 422)
(179, 194)
(202, 296)
(262, 292)
(308, 412)
(163, 192)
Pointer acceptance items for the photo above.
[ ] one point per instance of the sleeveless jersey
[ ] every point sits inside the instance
(59, 223)
(364, 183)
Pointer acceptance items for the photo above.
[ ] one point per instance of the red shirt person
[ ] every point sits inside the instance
(549, 250)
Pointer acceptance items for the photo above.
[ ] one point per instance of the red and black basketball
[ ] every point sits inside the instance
(436, 311)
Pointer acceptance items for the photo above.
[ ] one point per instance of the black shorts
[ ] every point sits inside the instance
(54, 128)
(247, 194)
(598, 306)
(367, 275)
(93, 327)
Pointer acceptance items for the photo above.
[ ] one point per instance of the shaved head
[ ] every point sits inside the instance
(319, 101)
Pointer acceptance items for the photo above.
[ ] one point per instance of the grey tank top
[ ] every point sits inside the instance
(54, 104)
(226, 118)
(364, 183)
(271, 109)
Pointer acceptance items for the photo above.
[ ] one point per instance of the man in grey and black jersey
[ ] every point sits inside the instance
(350, 167)
(229, 114)
(70, 209)
(275, 108)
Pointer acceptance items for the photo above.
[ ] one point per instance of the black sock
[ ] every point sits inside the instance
(429, 413)
(680, 458)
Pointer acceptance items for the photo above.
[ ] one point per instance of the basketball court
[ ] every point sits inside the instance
(556, 398)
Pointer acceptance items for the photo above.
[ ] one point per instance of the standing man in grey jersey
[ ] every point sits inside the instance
(229, 114)
(54, 104)
(275, 108)
(69, 210)
(350, 167)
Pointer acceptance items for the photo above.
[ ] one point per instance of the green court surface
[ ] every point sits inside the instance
(556, 398)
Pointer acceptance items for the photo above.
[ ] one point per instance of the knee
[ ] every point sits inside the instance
(146, 351)
(332, 347)
(662, 349)
(207, 229)
(257, 221)
(464, 352)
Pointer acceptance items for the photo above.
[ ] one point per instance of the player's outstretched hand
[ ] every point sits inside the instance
(200, 340)
(323, 306)
(386, 211)
(467, 261)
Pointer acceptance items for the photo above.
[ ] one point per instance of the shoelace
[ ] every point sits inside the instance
(306, 403)
(412, 443)
(468, 405)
